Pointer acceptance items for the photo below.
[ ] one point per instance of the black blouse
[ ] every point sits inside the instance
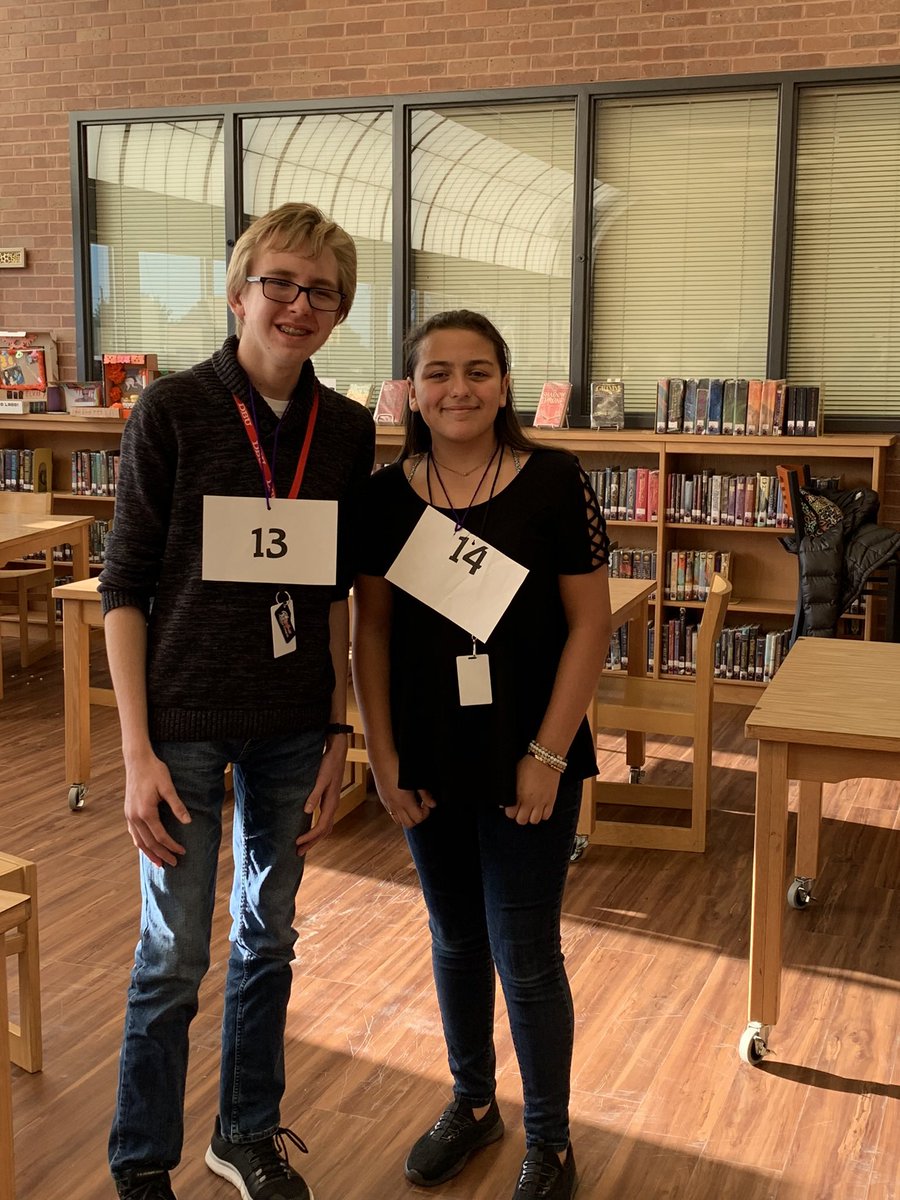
(548, 520)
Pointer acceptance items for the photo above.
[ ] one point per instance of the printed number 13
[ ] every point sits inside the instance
(277, 547)
(474, 557)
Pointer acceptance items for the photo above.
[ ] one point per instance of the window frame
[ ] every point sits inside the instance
(585, 97)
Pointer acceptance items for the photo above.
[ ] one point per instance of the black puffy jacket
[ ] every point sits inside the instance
(836, 563)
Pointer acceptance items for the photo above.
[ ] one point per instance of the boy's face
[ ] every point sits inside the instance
(285, 335)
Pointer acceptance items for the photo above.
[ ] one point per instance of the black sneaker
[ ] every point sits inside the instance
(259, 1170)
(148, 1184)
(544, 1177)
(444, 1150)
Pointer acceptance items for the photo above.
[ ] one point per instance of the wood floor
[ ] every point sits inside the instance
(656, 945)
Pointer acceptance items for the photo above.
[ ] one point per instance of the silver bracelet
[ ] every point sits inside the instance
(547, 757)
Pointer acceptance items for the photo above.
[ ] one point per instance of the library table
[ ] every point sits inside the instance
(831, 713)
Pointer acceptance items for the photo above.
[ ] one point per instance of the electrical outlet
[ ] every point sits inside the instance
(12, 256)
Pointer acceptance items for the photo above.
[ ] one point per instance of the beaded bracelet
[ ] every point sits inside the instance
(547, 757)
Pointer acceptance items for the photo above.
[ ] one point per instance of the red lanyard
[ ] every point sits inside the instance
(265, 469)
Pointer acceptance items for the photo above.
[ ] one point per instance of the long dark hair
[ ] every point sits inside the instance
(506, 423)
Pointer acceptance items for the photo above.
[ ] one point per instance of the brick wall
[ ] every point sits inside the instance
(65, 55)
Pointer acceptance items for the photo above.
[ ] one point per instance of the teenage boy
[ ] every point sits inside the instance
(225, 604)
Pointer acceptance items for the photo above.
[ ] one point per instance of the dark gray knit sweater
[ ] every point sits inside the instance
(211, 673)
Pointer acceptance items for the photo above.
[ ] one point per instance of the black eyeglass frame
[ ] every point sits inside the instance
(262, 280)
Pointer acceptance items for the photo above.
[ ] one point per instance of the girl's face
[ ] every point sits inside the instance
(457, 386)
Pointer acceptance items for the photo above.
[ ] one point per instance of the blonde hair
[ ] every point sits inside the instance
(294, 227)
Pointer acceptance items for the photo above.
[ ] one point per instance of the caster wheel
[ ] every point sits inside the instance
(635, 775)
(578, 847)
(76, 796)
(800, 893)
(753, 1047)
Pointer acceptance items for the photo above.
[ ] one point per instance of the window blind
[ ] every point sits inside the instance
(491, 227)
(157, 239)
(844, 306)
(682, 239)
(342, 163)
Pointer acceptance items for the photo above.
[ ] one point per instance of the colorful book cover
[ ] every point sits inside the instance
(741, 396)
(676, 406)
(728, 406)
(390, 406)
(126, 377)
(714, 406)
(662, 406)
(689, 414)
(553, 405)
(702, 406)
(608, 404)
(754, 407)
(360, 392)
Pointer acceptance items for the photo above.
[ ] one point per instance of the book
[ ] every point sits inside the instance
(729, 398)
(552, 408)
(390, 407)
(689, 412)
(78, 396)
(702, 406)
(360, 392)
(767, 407)
(714, 406)
(741, 398)
(778, 416)
(607, 404)
(812, 411)
(662, 405)
(676, 406)
(126, 376)
(754, 407)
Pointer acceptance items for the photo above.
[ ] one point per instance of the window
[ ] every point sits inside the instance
(491, 227)
(340, 162)
(682, 239)
(845, 272)
(157, 232)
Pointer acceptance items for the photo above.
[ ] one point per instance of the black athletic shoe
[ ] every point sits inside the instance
(544, 1177)
(148, 1184)
(444, 1150)
(259, 1170)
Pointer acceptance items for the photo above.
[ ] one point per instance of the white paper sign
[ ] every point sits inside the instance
(459, 575)
(294, 541)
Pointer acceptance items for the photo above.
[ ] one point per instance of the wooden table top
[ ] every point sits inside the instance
(22, 527)
(833, 692)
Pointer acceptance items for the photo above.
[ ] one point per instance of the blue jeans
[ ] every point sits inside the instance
(494, 894)
(272, 781)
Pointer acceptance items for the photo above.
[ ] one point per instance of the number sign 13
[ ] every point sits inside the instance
(293, 541)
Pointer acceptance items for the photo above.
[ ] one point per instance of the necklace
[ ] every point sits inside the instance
(460, 520)
(463, 474)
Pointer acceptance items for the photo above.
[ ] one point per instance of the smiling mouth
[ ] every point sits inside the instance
(293, 330)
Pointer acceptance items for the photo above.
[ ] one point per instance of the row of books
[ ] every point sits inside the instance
(744, 652)
(627, 562)
(627, 493)
(689, 573)
(23, 470)
(738, 407)
(95, 472)
(98, 535)
(707, 498)
(617, 655)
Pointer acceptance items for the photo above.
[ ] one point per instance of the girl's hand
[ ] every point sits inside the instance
(536, 788)
(406, 807)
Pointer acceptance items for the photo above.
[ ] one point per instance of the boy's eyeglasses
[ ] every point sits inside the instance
(283, 291)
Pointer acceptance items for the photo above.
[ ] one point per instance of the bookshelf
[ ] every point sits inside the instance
(764, 575)
(64, 433)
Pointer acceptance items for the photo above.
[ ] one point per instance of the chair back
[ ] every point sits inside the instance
(36, 504)
(708, 634)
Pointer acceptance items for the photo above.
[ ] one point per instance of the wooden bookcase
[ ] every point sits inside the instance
(764, 575)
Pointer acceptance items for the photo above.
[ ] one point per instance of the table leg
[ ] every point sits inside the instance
(636, 741)
(768, 882)
(809, 822)
(76, 692)
(7, 1169)
(81, 568)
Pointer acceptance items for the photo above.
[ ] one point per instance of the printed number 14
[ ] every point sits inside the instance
(474, 557)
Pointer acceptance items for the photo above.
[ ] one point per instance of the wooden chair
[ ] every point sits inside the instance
(667, 706)
(18, 584)
(15, 910)
(25, 1039)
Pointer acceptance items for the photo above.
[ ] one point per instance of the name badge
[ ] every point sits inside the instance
(459, 575)
(294, 541)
